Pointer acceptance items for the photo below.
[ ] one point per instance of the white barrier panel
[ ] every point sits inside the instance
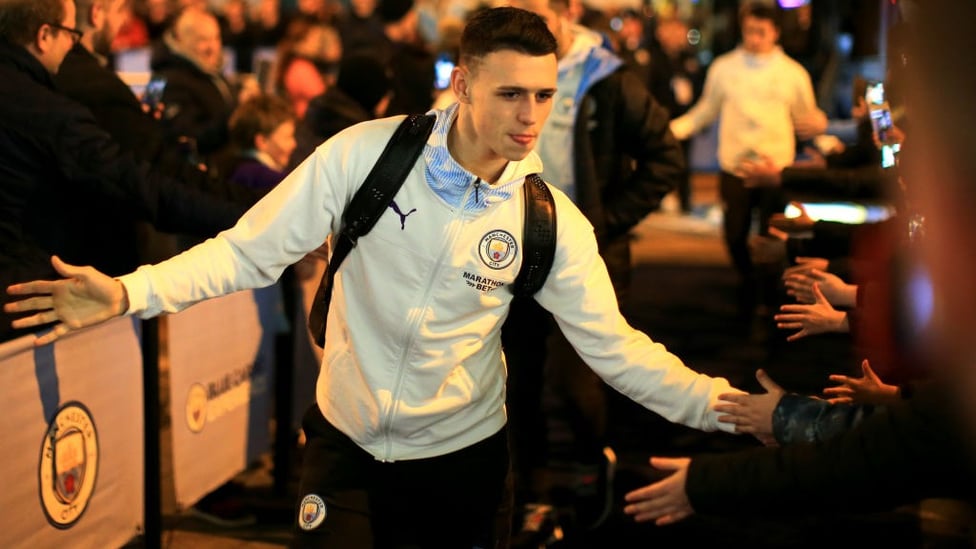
(220, 355)
(72, 443)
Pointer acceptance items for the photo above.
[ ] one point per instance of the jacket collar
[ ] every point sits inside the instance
(20, 59)
(451, 182)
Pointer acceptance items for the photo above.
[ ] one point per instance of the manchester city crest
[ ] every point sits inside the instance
(68, 465)
(196, 407)
(498, 249)
(311, 512)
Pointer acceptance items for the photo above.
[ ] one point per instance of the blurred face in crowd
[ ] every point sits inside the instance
(363, 8)
(279, 144)
(553, 16)
(198, 36)
(115, 13)
(505, 99)
(759, 36)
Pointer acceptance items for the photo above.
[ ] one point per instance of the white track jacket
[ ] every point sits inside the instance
(413, 364)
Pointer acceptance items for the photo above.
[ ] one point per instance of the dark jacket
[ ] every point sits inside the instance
(198, 104)
(626, 160)
(54, 159)
(327, 115)
(118, 111)
(912, 450)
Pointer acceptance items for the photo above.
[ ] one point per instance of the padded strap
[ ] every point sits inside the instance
(368, 204)
(538, 237)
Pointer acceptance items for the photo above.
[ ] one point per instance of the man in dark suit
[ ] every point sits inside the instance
(56, 160)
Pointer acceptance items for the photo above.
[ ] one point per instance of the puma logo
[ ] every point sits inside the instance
(403, 216)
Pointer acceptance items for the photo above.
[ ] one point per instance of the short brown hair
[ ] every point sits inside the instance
(760, 11)
(259, 115)
(21, 19)
(505, 28)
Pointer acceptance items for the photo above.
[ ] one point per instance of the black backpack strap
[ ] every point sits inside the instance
(538, 237)
(368, 204)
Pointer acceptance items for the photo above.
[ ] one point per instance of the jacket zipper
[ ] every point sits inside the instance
(415, 319)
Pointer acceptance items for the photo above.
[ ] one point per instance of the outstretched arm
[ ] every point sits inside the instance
(665, 501)
(83, 298)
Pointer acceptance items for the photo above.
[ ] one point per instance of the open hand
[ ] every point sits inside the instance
(817, 318)
(752, 414)
(665, 501)
(83, 298)
(867, 389)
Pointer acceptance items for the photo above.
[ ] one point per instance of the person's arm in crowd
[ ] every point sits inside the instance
(643, 135)
(867, 389)
(913, 449)
(778, 417)
(808, 120)
(706, 109)
(817, 318)
(837, 292)
(92, 160)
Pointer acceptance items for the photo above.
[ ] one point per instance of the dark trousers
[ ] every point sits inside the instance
(740, 205)
(459, 500)
(537, 354)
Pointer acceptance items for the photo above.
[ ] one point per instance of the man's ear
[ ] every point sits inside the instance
(260, 142)
(42, 40)
(460, 83)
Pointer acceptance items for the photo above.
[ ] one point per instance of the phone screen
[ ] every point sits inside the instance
(443, 66)
(881, 123)
(154, 92)
(874, 93)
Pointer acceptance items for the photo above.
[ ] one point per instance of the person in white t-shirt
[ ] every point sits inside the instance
(763, 100)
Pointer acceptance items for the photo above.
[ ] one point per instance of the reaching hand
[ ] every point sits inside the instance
(665, 501)
(805, 265)
(760, 173)
(768, 249)
(811, 319)
(837, 292)
(868, 389)
(752, 414)
(83, 298)
(792, 225)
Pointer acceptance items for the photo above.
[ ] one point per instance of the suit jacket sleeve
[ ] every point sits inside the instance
(95, 163)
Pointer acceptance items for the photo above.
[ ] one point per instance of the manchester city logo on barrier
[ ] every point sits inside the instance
(196, 407)
(69, 465)
(497, 249)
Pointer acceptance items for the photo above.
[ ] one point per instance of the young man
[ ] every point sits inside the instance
(407, 443)
(764, 99)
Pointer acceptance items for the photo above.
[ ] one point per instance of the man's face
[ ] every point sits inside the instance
(116, 14)
(509, 96)
(758, 35)
(59, 41)
(202, 41)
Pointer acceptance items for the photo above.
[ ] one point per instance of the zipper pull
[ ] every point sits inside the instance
(477, 185)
